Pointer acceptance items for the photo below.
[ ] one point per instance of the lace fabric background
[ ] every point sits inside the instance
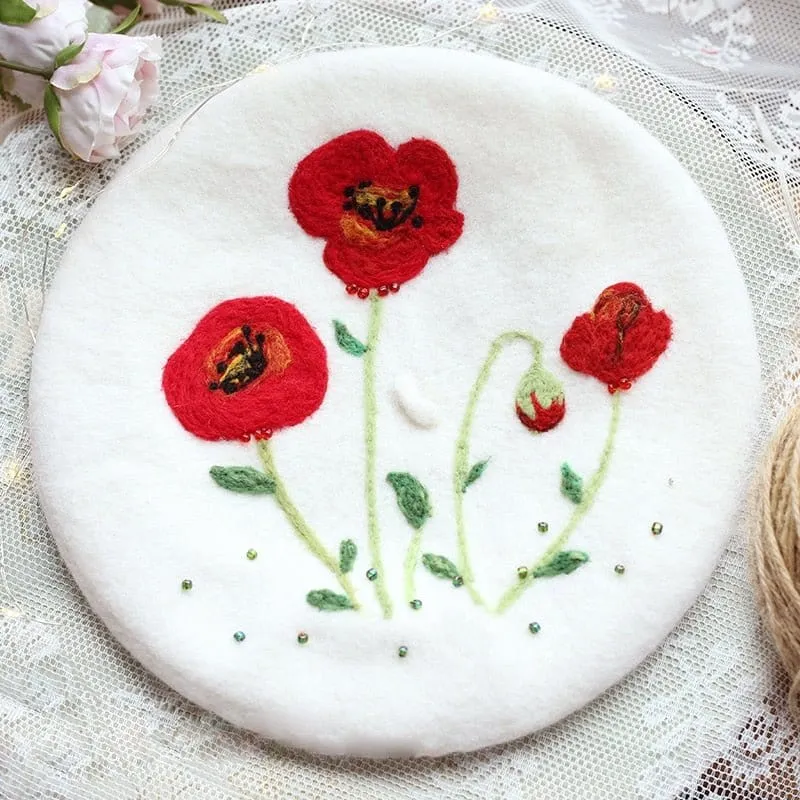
(718, 81)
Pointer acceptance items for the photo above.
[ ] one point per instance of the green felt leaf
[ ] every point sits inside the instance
(561, 564)
(347, 341)
(475, 472)
(244, 480)
(67, 54)
(571, 484)
(208, 11)
(15, 12)
(326, 600)
(130, 20)
(347, 555)
(412, 498)
(440, 566)
(52, 108)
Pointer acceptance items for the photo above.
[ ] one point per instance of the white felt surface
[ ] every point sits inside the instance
(562, 196)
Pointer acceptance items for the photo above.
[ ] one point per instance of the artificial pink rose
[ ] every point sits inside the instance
(57, 24)
(104, 93)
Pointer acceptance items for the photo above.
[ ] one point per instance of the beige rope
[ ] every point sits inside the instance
(776, 547)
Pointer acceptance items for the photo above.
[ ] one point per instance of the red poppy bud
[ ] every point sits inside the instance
(540, 399)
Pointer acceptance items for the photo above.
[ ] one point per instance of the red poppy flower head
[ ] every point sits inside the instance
(540, 401)
(250, 367)
(383, 211)
(620, 339)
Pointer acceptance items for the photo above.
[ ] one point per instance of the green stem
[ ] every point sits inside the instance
(42, 73)
(303, 530)
(461, 463)
(412, 559)
(590, 493)
(370, 446)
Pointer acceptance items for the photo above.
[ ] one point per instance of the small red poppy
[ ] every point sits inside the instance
(250, 366)
(384, 212)
(620, 339)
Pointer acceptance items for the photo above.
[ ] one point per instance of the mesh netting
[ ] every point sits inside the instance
(717, 82)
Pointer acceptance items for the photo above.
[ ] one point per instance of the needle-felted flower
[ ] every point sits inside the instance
(540, 399)
(250, 367)
(383, 212)
(620, 339)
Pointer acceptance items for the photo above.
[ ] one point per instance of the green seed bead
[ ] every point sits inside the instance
(458, 581)
(302, 637)
(619, 569)
(416, 604)
(239, 636)
(186, 584)
(543, 527)
(522, 573)
(534, 627)
(252, 554)
(657, 528)
(372, 574)
(402, 651)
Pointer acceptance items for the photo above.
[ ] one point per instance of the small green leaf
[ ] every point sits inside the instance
(15, 12)
(412, 498)
(347, 555)
(347, 341)
(129, 21)
(571, 484)
(475, 472)
(244, 480)
(561, 564)
(197, 8)
(52, 108)
(440, 566)
(68, 53)
(326, 600)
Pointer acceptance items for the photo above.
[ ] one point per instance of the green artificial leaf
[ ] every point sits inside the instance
(571, 484)
(244, 480)
(208, 11)
(347, 341)
(475, 472)
(412, 498)
(52, 108)
(68, 53)
(15, 12)
(347, 555)
(129, 21)
(440, 566)
(561, 564)
(326, 600)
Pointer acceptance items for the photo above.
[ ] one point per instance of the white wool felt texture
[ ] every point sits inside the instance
(562, 195)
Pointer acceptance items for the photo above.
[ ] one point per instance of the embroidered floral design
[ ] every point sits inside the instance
(620, 339)
(250, 367)
(383, 212)
(540, 399)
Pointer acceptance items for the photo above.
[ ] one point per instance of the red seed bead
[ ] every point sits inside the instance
(363, 293)
(383, 291)
(245, 437)
(394, 288)
(351, 288)
(263, 434)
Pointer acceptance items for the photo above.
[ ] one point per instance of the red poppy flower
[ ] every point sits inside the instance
(384, 212)
(251, 366)
(619, 339)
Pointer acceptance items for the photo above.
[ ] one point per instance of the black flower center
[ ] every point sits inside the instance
(238, 360)
(384, 209)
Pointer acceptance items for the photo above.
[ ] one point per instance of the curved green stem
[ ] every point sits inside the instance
(412, 559)
(461, 463)
(370, 447)
(42, 73)
(303, 530)
(590, 493)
